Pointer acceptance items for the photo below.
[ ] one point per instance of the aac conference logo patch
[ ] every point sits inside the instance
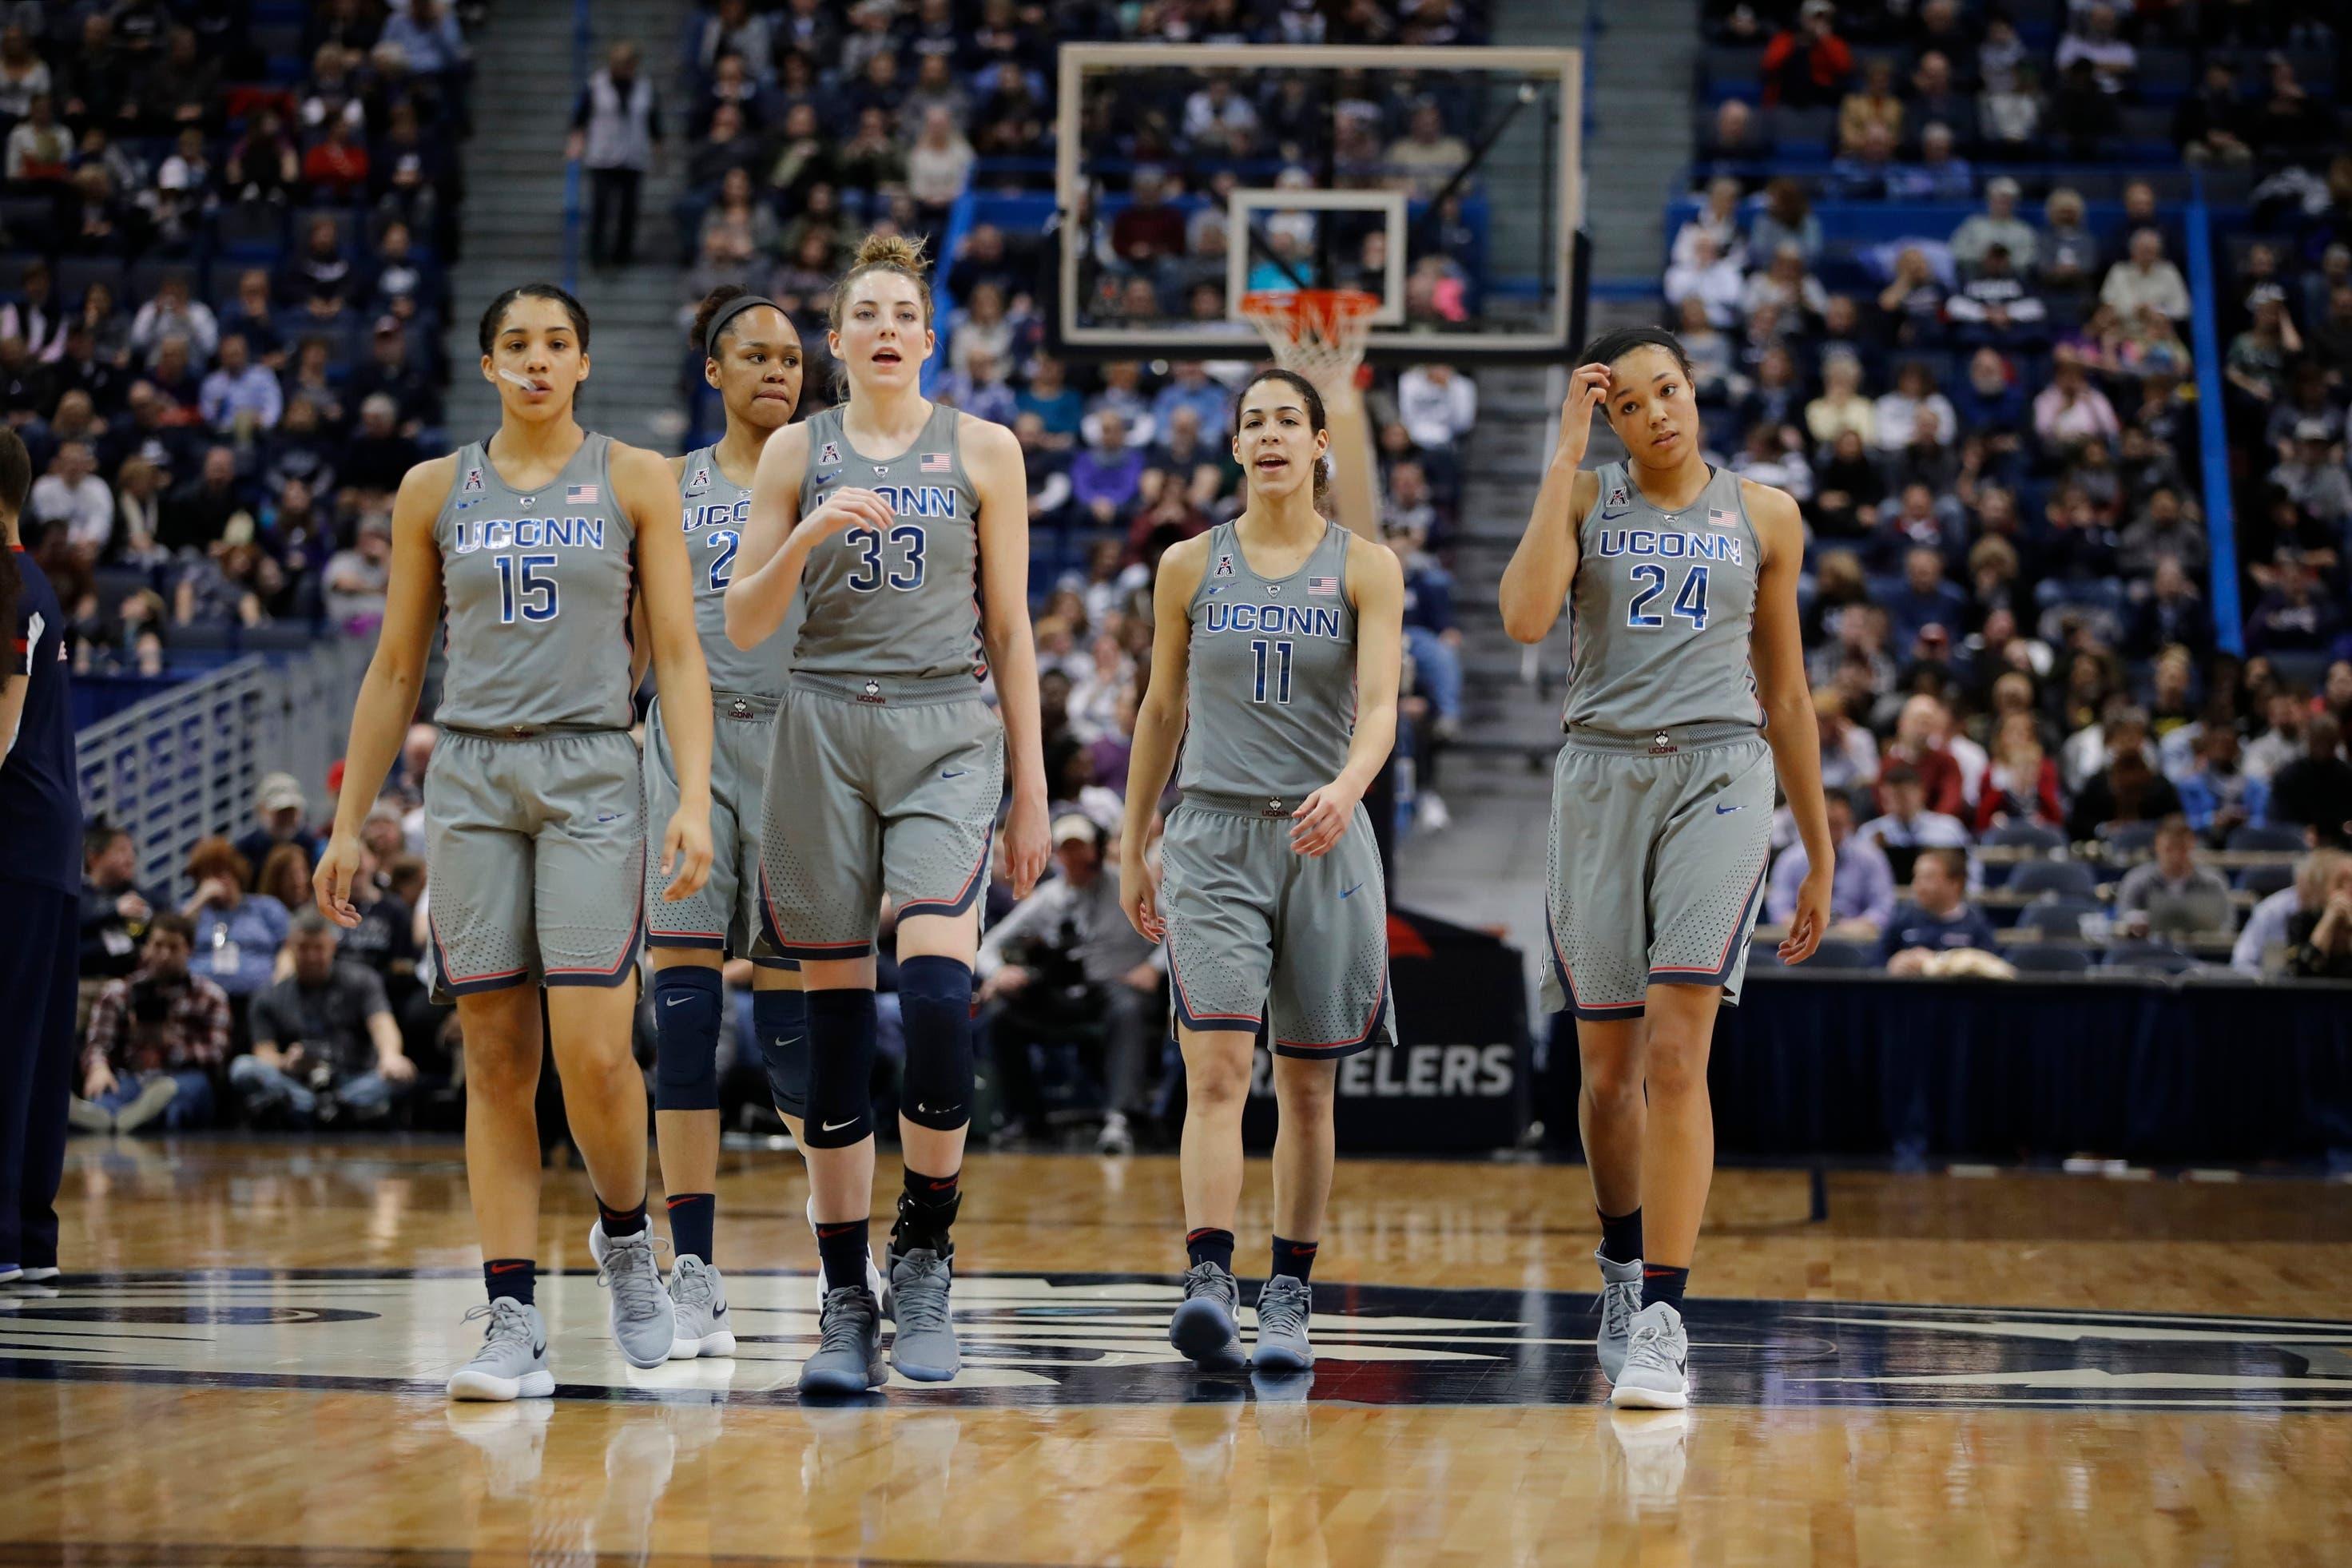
(1101, 1339)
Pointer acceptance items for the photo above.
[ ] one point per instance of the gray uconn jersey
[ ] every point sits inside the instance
(537, 587)
(716, 512)
(1660, 611)
(1272, 672)
(904, 601)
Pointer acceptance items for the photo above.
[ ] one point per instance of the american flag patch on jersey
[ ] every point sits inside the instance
(1716, 517)
(937, 462)
(580, 496)
(1326, 585)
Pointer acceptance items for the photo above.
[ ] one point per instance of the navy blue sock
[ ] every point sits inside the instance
(846, 1248)
(1295, 1258)
(926, 1207)
(621, 1221)
(1620, 1236)
(779, 1020)
(1208, 1244)
(1661, 1282)
(517, 1279)
(693, 1216)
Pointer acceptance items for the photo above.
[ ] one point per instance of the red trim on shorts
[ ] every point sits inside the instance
(1723, 959)
(1380, 1007)
(465, 985)
(590, 975)
(1576, 1005)
(1202, 1020)
(965, 895)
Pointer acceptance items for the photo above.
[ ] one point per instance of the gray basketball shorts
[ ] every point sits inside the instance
(1658, 847)
(875, 787)
(724, 915)
(1258, 933)
(535, 853)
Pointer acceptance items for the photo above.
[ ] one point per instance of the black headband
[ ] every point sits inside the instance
(728, 312)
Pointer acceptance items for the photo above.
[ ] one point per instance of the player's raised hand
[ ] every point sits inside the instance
(686, 849)
(1323, 818)
(1586, 388)
(848, 508)
(1812, 919)
(331, 882)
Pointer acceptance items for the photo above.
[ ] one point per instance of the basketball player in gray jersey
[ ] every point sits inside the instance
(752, 355)
(536, 541)
(1281, 630)
(1686, 686)
(906, 524)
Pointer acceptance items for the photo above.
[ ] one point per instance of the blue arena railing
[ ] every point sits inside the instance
(2212, 436)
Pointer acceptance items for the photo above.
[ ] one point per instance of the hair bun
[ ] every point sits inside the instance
(891, 250)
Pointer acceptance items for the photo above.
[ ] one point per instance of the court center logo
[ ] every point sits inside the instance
(1102, 1340)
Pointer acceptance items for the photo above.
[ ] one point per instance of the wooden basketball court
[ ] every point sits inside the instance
(2002, 1369)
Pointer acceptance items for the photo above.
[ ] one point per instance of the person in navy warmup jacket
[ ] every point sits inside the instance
(40, 887)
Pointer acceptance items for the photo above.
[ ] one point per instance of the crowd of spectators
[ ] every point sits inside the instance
(1993, 427)
(222, 255)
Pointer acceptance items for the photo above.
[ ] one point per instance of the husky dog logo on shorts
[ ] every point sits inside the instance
(699, 483)
(831, 454)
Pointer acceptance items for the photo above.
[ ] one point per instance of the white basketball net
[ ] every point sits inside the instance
(1318, 333)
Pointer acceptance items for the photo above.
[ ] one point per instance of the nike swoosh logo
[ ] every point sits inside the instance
(1726, 811)
(538, 1350)
(672, 1001)
(836, 1127)
(930, 1110)
(957, 773)
(506, 1268)
(1354, 891)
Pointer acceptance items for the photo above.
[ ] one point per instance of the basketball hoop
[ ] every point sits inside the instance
(1318, 333)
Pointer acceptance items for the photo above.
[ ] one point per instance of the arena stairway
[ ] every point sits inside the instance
(514, 215)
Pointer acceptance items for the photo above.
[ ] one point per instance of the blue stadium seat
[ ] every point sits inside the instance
(2026, 836)
(2047, 959)
(2261, 881)
(2055, 879)
(250, 231)
(12, 269)
(2264, 836)
(2156, 957)
(1732, 71)
(1837, 954)
(75, 274)
(2060, 916)
(145, 274)
(2127, 840)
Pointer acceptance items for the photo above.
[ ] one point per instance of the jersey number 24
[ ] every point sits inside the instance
(1690, 598)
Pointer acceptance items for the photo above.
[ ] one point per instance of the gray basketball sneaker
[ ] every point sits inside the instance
(1656, 1374)
(512, 1362)
(1621, 1298)
(848, 1358)
(1284, 1304)
(922, 1339)
(1205, 1326)
(698, 1296)
(645, 1324)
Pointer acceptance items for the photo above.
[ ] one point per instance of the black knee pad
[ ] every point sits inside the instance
(781, 1020)
(687, 1004)
(935, 999)
(840, 1069)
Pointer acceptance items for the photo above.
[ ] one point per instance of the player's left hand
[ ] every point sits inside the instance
(1323, 818)
(1812, 917)
(686, 850)
(1025, 845)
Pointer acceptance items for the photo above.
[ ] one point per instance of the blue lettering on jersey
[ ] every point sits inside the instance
(1672, 546)
(1292, 620)
(720, 514)
(526, 533)
(914, 500)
